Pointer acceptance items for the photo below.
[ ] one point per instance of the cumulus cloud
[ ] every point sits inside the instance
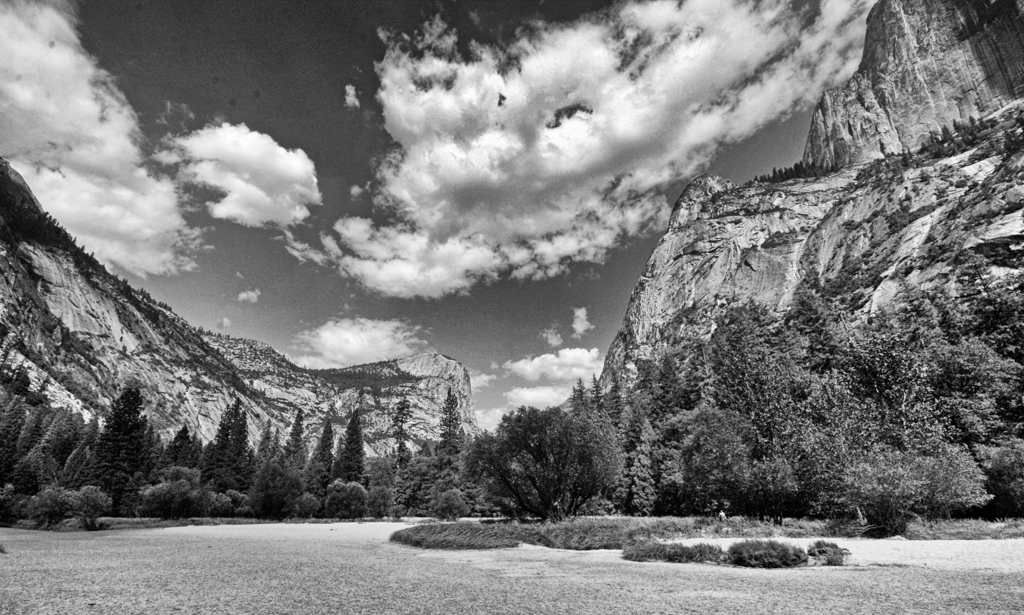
(262, 182)
(580, 324)
(551, 336)
(569, 364)
(480, 380)
(250, 296)
(224, 323)
(68, 129)
(539, 397)
(351, 99)
(353, 341)
(490, 418)
(355, 191)
(557, 147)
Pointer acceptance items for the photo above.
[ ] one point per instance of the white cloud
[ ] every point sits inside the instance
(539, 397)
(351, 99)
(551, 336)
(68, 129)
(596, 119)
(354, 341)
(481, 380)
(250, 296)
(263, 183)
(580, 324)
(355, 191)
(489, 419)
(570, 364)
(224, 323)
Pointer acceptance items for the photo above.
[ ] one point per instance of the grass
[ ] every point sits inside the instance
(759, 553)
(965, 529)
(653, 551)
(3, 549)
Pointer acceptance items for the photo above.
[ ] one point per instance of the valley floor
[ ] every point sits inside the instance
(351, 568)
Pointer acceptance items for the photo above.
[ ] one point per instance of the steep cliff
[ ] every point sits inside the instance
(926, 64)
(863, 233)
(82, 335)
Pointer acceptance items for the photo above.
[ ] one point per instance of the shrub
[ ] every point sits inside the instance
(345, 500)
(239, 503)
(51, 506)
(178, 496)
(91, 503)
(830, 553)
(306, 506)
(459, 536)
(274, 489)
(1005, 468)
(449, 505)
(766, 554)
(219, 505)
(651, 550)
(379, 502)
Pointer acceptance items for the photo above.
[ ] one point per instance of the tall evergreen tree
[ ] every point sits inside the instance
(12, 421)
(636, 491)
(451, 427)
(611, 404)
(179, 452)
(295, 449)
(578, 401)
(121, 447)
(228, 459)
(349, 465)
(401, 416)
(321, 462)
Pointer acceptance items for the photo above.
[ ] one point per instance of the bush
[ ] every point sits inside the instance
(648, 551)
(178, 496)
(51, 506)
(449, 505)
(1005, 468)
(766, 554)
(345, 500)
(830, 553)
(274, 489)
(219, 505)
(91, 503)
(306, 506)
(379, 502)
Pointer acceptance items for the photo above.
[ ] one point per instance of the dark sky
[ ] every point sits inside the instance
(281, 68)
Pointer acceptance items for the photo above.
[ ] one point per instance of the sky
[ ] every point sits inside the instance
(356, 181)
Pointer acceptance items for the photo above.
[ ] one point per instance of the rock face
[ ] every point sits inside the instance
(375, 389)
(926, 64)
(82, 335)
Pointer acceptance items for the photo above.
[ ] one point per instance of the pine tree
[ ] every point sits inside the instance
(295, 449)
(578, 401)
(121, 447)
(636, 491)
(11, 424)
(401, 416)
(596, 396)
(321, 462)
(351, 457)
(179, 452)
(611, 405)
(451, 428)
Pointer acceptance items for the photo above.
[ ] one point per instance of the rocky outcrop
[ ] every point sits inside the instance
(375, 390)
(926, 64)
(83, 335)
(863, 233)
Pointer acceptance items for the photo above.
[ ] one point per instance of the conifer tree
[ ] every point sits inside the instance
(451, 428)
(611, 404)
(321, 462)
(80, 467)
(179, 452)
(401, 416)
(295, 448)
(228, 459)
(349, 466)
(578, 401)
(596, 396)
(636, 490)
(12, 421)
(121, 447)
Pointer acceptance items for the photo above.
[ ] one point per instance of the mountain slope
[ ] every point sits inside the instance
(866, 230)
(82, 335)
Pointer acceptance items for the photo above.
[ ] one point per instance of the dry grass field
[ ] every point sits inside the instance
(352, 568)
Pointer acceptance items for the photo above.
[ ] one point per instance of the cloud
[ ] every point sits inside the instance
(354, 341)
(489, 419)
(552, 336)
(355, 191)
(481, 380)
(351, 100)
(262, 182)
(559, 146)
(580, 324)
(250, 296)
(69, 130)
(539, 397)
(224, 323)
(570, 364)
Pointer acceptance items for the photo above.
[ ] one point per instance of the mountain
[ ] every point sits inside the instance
(81, 335)
(938, 92)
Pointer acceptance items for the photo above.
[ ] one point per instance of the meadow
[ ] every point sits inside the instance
(353, 568)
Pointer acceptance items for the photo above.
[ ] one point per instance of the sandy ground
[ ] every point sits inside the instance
(351, 568)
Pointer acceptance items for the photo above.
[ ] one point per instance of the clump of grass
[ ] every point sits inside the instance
(652, 550)
(965, 529)
(766, 554)
(828, 552)
(459, 536)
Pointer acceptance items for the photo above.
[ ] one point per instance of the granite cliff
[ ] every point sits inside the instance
(870, 228)
(81, 335)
